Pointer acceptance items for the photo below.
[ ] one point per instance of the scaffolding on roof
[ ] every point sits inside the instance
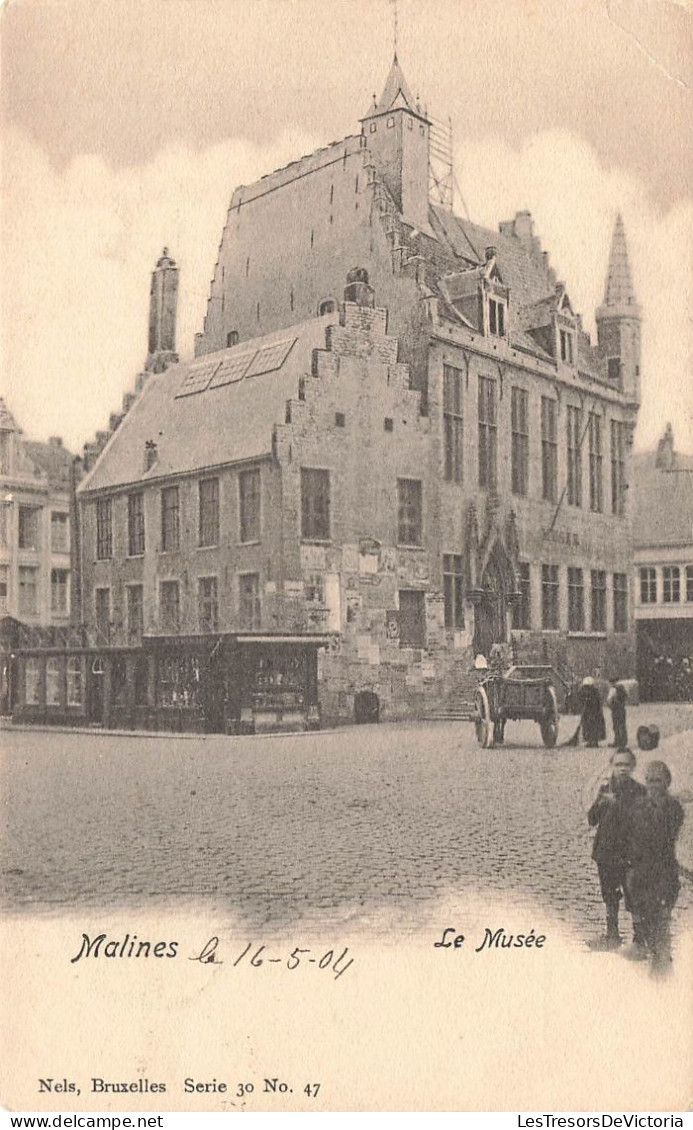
(440, 173)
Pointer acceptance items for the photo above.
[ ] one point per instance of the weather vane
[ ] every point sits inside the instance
(394, 6)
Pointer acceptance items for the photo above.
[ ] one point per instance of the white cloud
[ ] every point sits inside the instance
(79, 245)
(574, 201)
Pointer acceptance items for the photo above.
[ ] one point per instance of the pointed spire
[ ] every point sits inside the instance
(396, 94)
(619, 294)
(7, 423)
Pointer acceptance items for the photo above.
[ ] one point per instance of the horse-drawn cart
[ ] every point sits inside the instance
(520, 692)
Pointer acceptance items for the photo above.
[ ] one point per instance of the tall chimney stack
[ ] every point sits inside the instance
(163, 306)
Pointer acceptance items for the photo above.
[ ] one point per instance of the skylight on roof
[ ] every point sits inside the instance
(270, 357)
(232, 369)
(198, 378)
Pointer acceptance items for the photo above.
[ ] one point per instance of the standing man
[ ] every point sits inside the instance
(610, 813)
(652, 877)
(617, 704)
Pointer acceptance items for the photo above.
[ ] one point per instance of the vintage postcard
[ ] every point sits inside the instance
(346, 556)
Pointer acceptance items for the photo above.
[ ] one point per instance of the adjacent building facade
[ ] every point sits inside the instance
(396, 445)
(35, 535)
(663, 545)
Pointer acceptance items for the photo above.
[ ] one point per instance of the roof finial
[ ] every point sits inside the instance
(395, 26)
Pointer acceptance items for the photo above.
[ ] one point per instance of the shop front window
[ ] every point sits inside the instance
(279, 681)
(53, 681)
(179, 680)
(249, 601)
(75, 680)
(32, 680)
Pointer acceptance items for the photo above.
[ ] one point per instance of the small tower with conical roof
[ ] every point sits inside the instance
(163, 306)
(618, 320)
(396, 132)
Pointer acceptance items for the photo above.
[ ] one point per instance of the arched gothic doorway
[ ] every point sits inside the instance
(490, 623)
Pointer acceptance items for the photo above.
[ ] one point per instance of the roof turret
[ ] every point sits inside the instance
(619, 295)
(7, 423)
(396, 94)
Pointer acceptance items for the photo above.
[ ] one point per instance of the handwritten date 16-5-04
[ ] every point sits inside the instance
(257, 956)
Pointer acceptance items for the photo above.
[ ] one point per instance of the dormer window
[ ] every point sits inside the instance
(327, 306)
(566, 343)
(496, 317)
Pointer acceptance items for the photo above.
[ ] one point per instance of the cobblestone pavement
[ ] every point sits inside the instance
(277, 829)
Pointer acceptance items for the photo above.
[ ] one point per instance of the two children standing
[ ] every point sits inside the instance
(635, 852)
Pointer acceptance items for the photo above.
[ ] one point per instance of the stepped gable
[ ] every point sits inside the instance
(203, 413)
(460, 247)
(527, 274)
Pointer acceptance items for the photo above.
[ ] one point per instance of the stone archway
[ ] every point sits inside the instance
(492, 600)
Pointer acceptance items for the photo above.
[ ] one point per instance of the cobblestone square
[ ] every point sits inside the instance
(280, 829)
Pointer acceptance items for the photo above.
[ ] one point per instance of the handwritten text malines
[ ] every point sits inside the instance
(335, 958)
(129, 946)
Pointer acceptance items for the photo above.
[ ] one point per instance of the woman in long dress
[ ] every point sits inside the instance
(591, 713)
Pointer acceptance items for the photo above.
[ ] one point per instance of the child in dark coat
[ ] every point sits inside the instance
(610, 813)
(652, 877)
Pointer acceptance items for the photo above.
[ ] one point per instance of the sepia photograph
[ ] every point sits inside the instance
(346, 556)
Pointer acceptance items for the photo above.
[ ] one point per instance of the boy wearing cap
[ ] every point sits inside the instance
(610, 811)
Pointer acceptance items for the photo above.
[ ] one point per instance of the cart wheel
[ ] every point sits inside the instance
(482, 722)
(549, 724)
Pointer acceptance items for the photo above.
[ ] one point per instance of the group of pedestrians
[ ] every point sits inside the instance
(592, 715)
(635, 852)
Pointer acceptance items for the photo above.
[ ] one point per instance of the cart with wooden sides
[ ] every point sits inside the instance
(519, 692)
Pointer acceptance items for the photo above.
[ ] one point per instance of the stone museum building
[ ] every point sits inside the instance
(395, 447)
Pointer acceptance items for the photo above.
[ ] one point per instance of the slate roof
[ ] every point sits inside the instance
(461, 246)
(200, 426)
(619, 293)
(527, 275)
(52, 460)
(663, 512)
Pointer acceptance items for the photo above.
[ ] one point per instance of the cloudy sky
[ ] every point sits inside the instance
(128, 124)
